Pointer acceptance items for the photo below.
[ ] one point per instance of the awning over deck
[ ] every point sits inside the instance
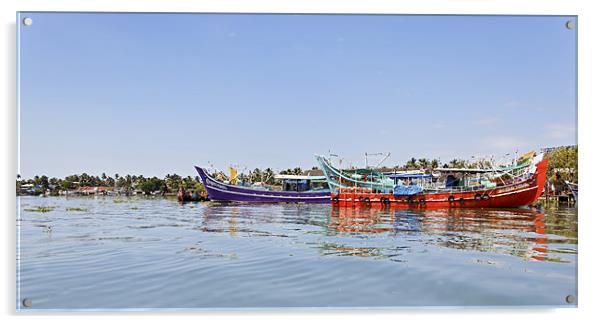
(408, 175)
(299, 177)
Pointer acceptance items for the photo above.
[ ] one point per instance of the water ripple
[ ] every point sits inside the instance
(158, 253)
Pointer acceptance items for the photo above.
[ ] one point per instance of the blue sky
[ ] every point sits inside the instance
(154, 94)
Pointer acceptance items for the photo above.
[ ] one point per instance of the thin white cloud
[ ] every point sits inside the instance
(504, 143)
(513, 104)
(560, 131)
(486, 121)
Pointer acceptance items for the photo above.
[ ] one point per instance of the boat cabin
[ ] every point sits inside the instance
(411, 178)
(455, 178)
(302, 183)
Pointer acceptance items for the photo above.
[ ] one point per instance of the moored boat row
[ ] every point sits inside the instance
(511, 186)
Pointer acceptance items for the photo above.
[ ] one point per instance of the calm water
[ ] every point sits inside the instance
(155, 253)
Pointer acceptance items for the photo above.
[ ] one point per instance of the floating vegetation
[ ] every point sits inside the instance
(192, 206)
(76, 209)
(208, 254)
(40, 209)
(119, 201)
(134, 208)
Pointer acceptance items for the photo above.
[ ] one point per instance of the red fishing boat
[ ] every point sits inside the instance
(493, 188)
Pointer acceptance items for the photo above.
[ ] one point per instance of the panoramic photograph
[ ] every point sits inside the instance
(198, 161)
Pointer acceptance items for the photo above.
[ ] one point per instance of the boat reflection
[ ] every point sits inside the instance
(519, 232)
(392, 234)
(225, 215)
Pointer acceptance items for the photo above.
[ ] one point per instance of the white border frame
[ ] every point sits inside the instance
(589, 122)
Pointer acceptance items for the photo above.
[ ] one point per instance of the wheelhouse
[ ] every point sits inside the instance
(301, 183)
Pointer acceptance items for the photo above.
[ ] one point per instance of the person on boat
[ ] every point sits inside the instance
(183, 194)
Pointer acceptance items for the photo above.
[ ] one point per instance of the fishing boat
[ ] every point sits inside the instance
(189, 195)
(294, 189)
(512, 186)
(573, 187)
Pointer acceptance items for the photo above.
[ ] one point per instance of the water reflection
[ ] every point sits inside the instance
(518, 232)
(351, 231)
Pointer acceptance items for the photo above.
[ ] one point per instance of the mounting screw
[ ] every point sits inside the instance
(27, 21)
(570, 24)
(570, 299)
(27, 302)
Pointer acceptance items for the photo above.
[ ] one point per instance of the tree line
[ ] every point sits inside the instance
(266, 176)
(563, 164)
(127, 184)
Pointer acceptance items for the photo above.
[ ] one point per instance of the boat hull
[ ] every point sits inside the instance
(519, 194)
(218, 191)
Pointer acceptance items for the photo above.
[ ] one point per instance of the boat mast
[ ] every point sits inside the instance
(386, 156)
(340, 166)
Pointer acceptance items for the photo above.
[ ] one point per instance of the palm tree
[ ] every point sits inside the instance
(256, 175)
(173, 181)
(128, 184)
(457, 163)
(268, 176)
(434, 163)
(423, 163)
(482, 164)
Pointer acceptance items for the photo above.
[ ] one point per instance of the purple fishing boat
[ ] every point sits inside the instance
(295, 189)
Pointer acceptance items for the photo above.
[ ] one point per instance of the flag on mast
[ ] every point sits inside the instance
(233, 176)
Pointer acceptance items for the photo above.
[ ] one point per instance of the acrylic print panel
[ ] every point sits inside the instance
(201, 161)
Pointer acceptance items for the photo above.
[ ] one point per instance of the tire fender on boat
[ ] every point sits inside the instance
(485, 197)
(451, 198)
(477, 197)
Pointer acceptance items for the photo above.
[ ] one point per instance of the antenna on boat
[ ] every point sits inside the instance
(377, 154)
